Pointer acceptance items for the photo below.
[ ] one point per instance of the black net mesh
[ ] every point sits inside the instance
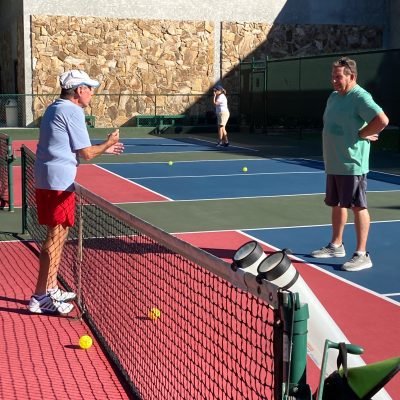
(175, 329)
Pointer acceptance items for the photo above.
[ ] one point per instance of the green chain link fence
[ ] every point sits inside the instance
(119, 109)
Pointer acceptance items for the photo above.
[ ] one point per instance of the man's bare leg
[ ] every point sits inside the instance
(362, 223)
(49, 259)
(339, 219)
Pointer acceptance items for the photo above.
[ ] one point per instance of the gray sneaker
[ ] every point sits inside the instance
(329, 251)
(357, 263)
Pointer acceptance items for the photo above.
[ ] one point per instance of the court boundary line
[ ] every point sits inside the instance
(131, 182)
(369, 291)
(373, 173)
(320, 225)
(234, 198)
(230, 145)
(277, 227)
(257, 197)
(188, 161)
(196, 139)
(224, 175)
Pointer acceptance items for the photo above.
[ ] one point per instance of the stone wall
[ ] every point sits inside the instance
(128, 57)
(161, 57)
(244, 41)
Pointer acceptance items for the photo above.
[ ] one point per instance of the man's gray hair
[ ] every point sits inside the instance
(350, 66)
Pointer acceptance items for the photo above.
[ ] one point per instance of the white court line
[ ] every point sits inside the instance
(230, 146)
(278, 227)
(372, 170)
(189, 162)
(316, 226)
(186, 144)
(163, 152)
(237, 198)
(133, 183)
(226, 175)
(381, 296)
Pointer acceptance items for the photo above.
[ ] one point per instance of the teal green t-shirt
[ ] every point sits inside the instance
(345, 153)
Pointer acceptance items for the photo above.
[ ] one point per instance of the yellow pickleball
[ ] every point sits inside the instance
(154, 314)
(170, 162)
(85, 342)
(244, 169)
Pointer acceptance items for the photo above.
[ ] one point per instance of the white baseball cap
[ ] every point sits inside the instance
(76, 77)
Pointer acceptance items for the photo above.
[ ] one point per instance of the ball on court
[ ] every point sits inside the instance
(244, 169)
(170, 162)
(85, 342)
(154, 314)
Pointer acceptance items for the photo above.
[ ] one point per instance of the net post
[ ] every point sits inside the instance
(80, 252)
(295, 317)
(10, 159)
(24, 190)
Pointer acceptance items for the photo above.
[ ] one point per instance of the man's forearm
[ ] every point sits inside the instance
(377, 125)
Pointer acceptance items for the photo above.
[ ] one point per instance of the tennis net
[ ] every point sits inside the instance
(219, 333)
(6, 157)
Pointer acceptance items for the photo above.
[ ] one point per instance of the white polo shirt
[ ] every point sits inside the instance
(63, 132)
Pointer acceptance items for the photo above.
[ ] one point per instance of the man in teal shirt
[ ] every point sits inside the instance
(352, 120)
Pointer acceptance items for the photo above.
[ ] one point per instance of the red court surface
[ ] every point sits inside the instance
(365, 319)
(17, 144)
(111, 187)
(40, 356)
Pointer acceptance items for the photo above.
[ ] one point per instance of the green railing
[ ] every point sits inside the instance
(6, 173)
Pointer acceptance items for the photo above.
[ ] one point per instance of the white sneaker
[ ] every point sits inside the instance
(358, 262)
(60, 295)
(329, 251)
(46, 305)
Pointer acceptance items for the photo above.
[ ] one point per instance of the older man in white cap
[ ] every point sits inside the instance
(63, 139)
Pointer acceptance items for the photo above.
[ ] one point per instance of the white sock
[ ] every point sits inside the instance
(361, 253)
(335, 245)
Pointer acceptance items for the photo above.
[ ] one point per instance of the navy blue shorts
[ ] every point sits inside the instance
(346, 191)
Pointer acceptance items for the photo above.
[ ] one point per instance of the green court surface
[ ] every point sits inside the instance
(240, 213)
(188, 216)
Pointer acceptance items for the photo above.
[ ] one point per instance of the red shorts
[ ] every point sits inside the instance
(55, 207)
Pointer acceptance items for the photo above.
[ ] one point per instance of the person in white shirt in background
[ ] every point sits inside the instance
(221, 109)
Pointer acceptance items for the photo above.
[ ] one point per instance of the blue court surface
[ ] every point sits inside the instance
(382, 278)
(223, 179)
(163, 145)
